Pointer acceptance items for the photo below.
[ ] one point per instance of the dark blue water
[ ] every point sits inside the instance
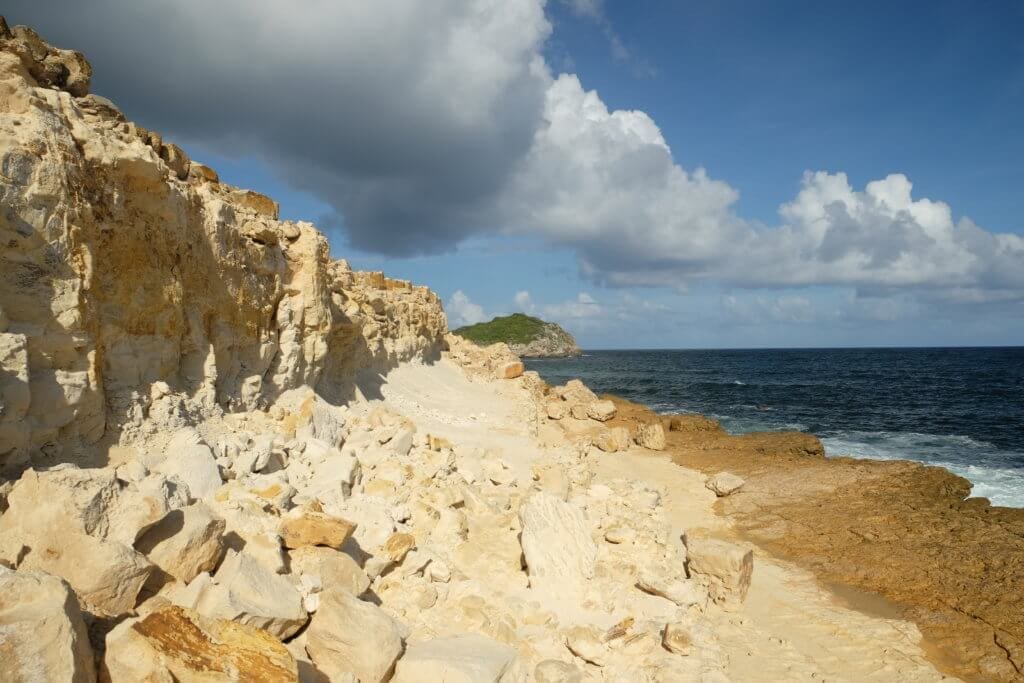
(959, 408)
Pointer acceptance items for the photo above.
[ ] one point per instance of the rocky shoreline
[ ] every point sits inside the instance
(225, 456)
(907, 532)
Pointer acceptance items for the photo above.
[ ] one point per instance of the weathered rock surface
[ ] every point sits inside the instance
(556, 542)
(176, 644)
(249, 593)
(42, 635)
(651, 435)
(728, 565)
(185, 543)
(468, 658)
(97, 314)
(107, 576)
(349, 636)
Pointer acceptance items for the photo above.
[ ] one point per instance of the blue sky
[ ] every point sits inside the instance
(458, 155)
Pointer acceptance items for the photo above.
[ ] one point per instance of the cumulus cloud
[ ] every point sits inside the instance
(462, 311)
(426, 123)
(524, 301)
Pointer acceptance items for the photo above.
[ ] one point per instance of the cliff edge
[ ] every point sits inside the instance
(124, 263)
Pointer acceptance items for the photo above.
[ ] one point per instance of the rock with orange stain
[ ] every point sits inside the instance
(308, 526)
(177, 644)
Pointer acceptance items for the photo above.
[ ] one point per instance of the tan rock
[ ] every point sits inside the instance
(556, 543)
(579, 411)
(335, 568)
(556, 671)
(575, 391)
(586, 643)
(651, 436)
(470, 658)
(511, 370)
(724, 484)
(398, 545)
(107, 576)
(556, 410)
(728, 565)
(42, 634)
(305, 526)
(602, 411)
(185, 543)
(64, 498)
(681, 591)
(605, 441)
(176, 644)
(349, 636)
(677, 639)
(250, 593)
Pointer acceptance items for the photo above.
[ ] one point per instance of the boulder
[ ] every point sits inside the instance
(335, 568)
(511, 370)
(728, 565)
(350, 637)
(311, 526)
(556, 543)
(575, 391)
(250, 593)
(138, 508)
(172, 643)
(107, 576)
(556, 410)
(470, 658)
(579, 411)
(192, 463)
(683, 592)
(185, 543)
(42, 634)
(62, 499)
(602, 411)
(724, 484)
(651, 436)
(605, 441)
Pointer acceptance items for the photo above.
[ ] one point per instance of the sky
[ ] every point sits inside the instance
(649, 174)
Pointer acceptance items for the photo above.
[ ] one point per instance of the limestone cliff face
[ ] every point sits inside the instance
(123, 264)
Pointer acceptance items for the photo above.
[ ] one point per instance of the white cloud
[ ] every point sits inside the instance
(427, 123)
(582, 307)
(524, 301)
(462, 311)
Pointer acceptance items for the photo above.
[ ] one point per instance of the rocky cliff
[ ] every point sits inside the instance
(124, 264)
(526, 336)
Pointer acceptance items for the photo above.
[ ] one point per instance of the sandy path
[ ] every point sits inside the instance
(789, 628)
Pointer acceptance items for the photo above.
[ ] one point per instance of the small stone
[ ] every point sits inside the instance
(724, 484)
(677, 639)
(398, 545)
(185, 543)
(683, 592)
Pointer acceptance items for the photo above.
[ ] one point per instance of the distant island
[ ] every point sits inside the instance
(527, 336)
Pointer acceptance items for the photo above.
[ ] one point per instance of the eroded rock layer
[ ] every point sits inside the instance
(124, 264)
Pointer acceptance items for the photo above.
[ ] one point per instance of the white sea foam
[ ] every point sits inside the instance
(970, 458)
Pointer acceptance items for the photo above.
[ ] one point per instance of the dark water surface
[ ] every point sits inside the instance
(960, 408)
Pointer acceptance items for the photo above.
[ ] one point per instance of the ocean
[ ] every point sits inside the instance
(961, 408)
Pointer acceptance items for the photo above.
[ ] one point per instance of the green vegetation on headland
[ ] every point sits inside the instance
(517, 328)
(526, 336)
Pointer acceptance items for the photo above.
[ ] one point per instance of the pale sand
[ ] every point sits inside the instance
(789, 628)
